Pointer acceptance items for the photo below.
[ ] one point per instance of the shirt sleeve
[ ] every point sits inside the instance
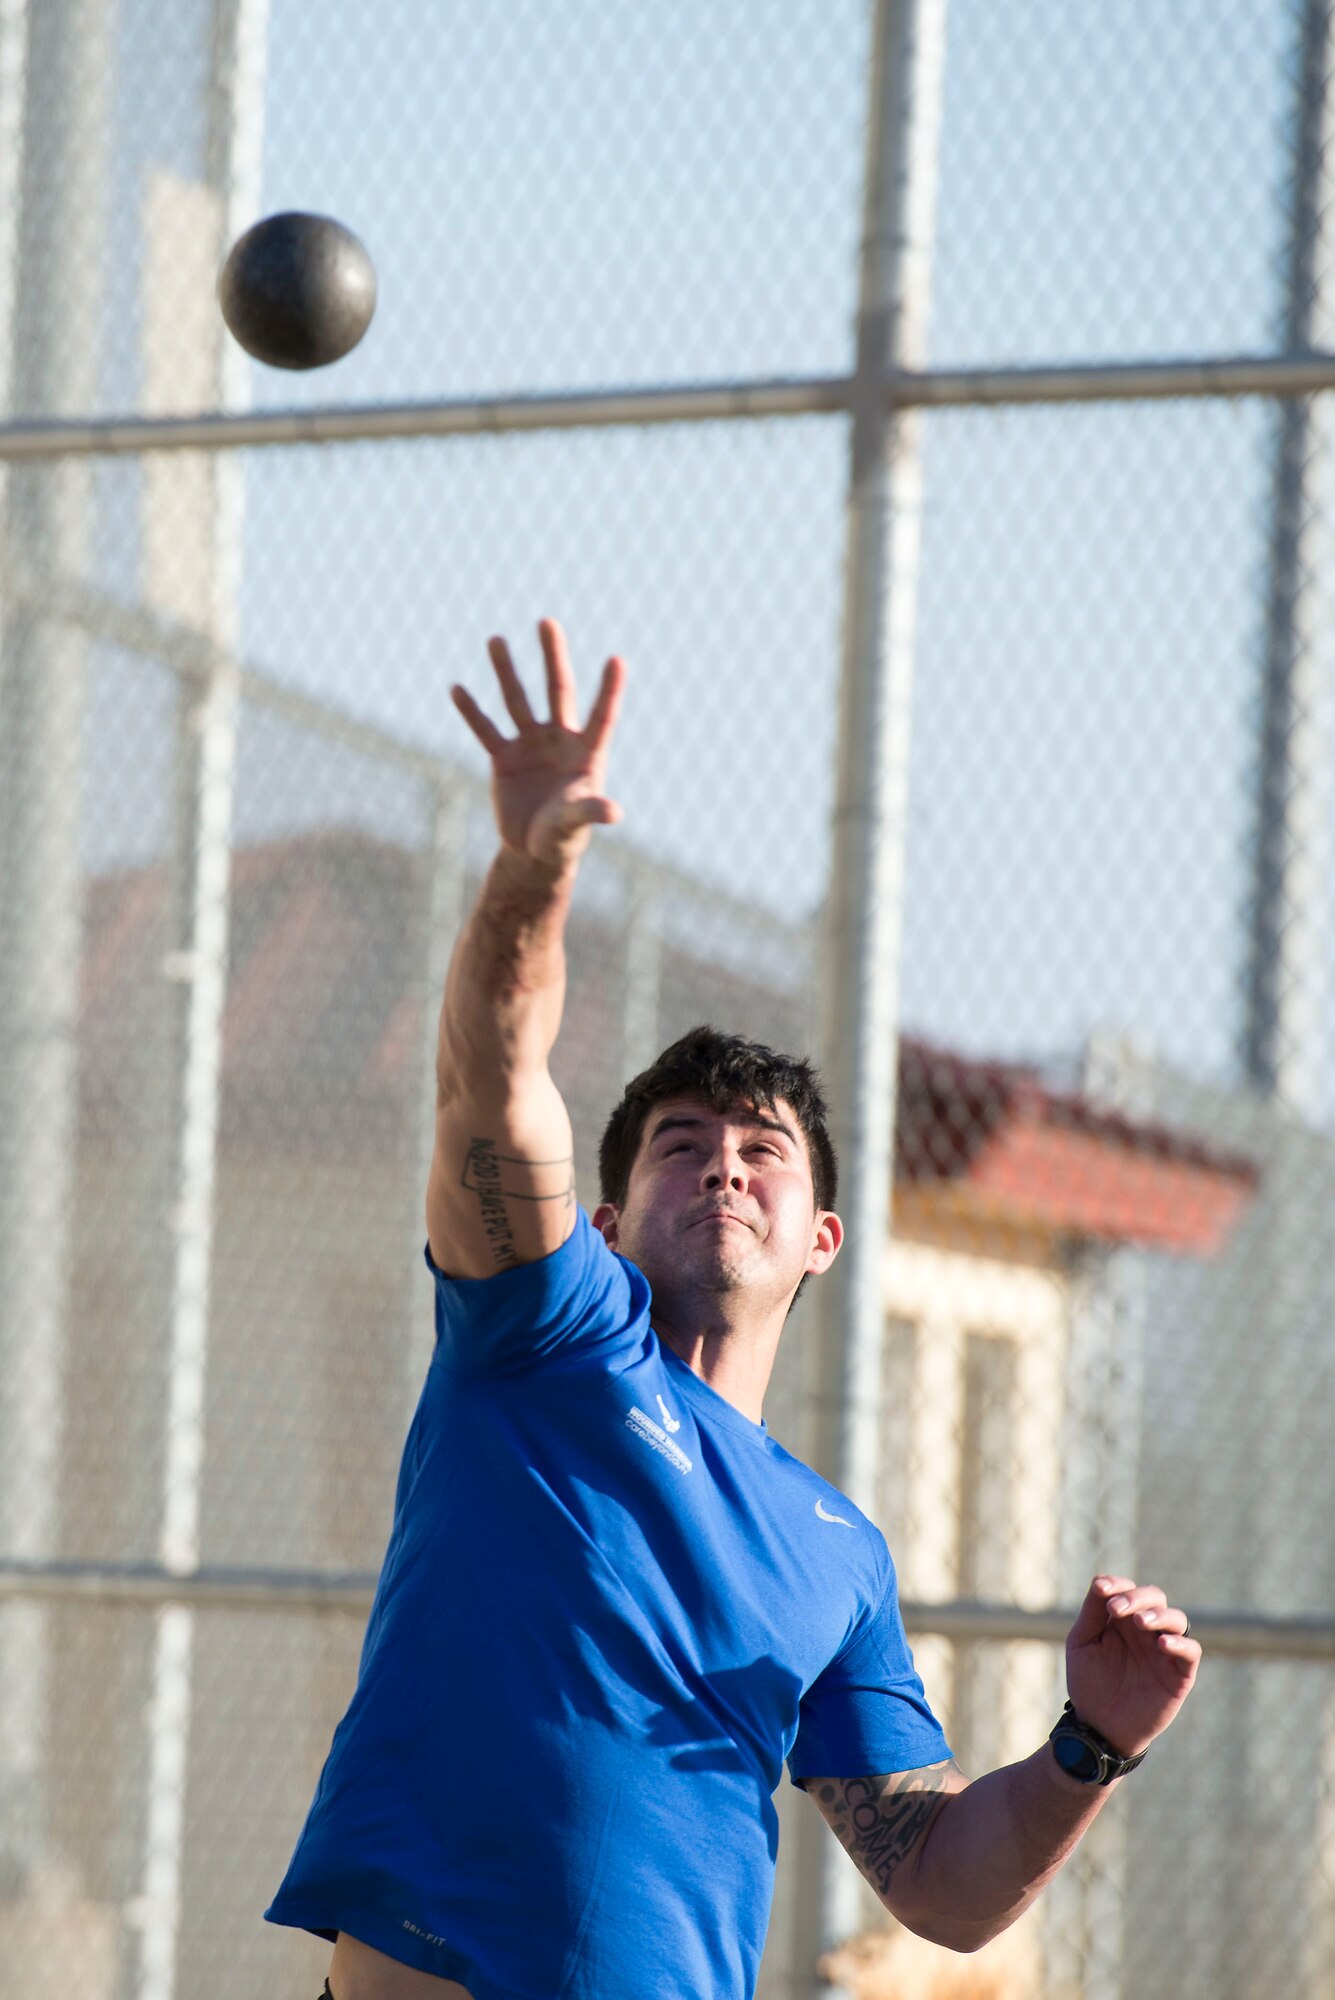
(582, 1300)
(867, 1711)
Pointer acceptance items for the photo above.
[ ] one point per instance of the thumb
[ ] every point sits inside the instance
(588, 812)
(562, 827)
(609, 812)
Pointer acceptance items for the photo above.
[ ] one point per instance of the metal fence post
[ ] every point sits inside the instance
(444, 913)
(860, 963)
(1285, 981)
(201, 525)
(643, 969)
(56, 62)
(1287, 976)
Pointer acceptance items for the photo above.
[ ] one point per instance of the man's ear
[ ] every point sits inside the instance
(829, 1237)
(604, 1220)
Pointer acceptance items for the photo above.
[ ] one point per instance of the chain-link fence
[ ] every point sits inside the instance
(241, 824)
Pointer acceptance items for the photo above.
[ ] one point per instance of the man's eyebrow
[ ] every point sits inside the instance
(673, 1120)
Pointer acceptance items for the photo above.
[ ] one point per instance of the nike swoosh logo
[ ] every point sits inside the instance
(832, 1517)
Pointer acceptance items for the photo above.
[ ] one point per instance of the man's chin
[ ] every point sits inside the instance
(721, 1239)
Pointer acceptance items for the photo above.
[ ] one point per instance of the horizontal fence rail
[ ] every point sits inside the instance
(1237, 1635)
(691, 403)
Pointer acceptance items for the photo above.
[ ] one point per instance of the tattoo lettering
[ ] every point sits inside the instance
(491, 1176)
(881, 1819)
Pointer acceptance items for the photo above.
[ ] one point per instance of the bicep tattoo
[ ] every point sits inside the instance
(881, 1819)
(497, 1179)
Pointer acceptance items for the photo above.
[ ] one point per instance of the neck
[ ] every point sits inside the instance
(736, 1363)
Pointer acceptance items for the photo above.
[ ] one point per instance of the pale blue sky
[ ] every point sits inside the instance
(605, 193)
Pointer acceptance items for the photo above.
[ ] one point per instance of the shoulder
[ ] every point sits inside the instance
(833, 1508)
(581, 1299)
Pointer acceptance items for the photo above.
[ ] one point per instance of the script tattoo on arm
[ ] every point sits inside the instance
(495, 1178)
(882, 1818)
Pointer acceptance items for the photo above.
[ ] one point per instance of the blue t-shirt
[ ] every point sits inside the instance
(610, 1608)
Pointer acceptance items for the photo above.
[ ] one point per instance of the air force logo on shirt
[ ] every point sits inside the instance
(655, 1435)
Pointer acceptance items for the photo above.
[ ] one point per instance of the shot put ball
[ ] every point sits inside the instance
(297, 291)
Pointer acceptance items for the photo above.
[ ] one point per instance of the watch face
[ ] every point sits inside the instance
(1080, 1759)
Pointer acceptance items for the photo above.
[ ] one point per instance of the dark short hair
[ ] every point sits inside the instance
(727, 1071)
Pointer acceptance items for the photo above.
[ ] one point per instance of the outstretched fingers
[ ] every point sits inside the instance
(512, 689)
(561, 687)
(560, 691)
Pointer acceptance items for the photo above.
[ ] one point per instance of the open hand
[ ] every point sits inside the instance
(547, 783)
(1129, 1664)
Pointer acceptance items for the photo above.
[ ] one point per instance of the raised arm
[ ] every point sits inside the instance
(501, 1188)
(959, 1862)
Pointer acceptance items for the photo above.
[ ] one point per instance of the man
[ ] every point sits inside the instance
(612, 1605)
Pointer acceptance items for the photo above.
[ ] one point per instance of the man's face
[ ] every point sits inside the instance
(721, 1202)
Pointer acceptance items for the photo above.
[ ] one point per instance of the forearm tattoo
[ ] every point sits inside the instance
(880, 1820)
(492, 1177)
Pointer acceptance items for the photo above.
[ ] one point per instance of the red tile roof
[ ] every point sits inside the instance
(1014, 1150)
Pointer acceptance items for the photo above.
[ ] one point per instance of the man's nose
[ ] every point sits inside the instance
(726, 1165)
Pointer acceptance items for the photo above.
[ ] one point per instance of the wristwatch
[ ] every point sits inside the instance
(1084, 1754)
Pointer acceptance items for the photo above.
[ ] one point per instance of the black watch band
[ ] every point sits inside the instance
(1084, 1754)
